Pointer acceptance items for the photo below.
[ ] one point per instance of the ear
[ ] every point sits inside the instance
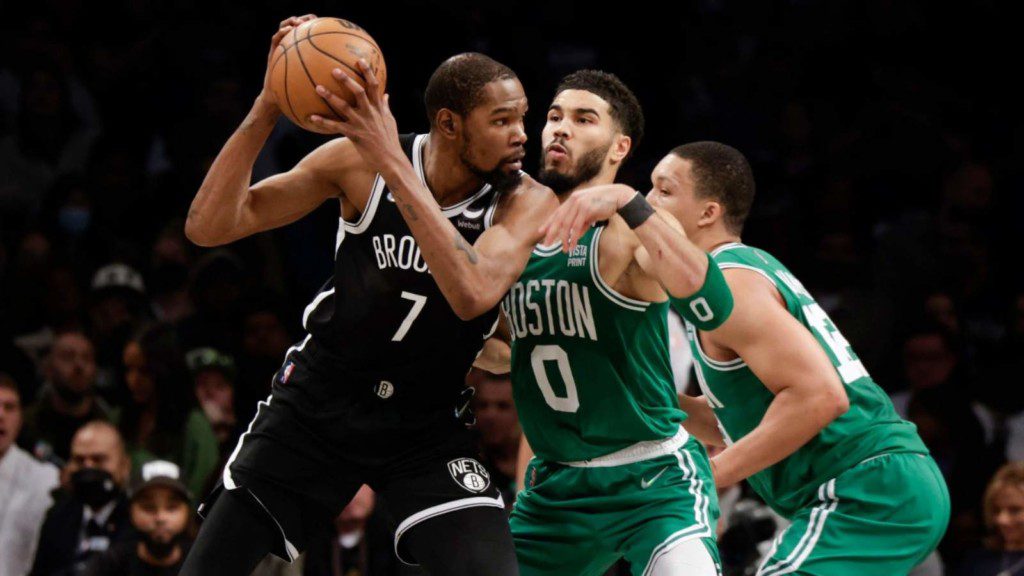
(710, 213)
(621, 145)
(448, 123)
(125, 469)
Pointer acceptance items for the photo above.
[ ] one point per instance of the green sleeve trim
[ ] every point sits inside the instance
(710, 306)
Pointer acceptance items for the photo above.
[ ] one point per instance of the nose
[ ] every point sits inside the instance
(561, 131)
(519, 134)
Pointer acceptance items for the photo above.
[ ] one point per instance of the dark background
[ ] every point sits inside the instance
(882, 136)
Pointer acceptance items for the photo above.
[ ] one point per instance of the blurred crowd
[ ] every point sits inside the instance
(131, 360)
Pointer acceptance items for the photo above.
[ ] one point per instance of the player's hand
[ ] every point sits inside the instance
(286, 26)
(581, 210)
(369, 123)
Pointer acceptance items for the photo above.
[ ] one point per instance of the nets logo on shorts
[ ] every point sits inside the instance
(469, 474)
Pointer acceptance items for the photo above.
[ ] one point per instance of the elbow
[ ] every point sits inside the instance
(199, 234)
(469, 304)
(834, 404)
(196, 235)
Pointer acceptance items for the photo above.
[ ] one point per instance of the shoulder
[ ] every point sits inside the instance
(42, 476)
(336, 159)
(197, 424)
(529, 195)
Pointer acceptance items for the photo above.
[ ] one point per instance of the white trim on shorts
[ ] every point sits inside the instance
(702, 529)
(637, 452)
(804, 547)
(438, 510)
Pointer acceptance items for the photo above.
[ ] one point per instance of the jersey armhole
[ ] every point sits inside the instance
(360, 225)
(602, 286)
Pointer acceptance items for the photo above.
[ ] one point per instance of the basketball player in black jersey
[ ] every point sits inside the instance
(375, 392)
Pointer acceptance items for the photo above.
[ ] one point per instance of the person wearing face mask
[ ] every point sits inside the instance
(161, 512)
(93, 513)
(25, 486)
(68, 399)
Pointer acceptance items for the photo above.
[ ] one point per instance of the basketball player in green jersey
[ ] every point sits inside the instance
(803, 420)
(616, 475)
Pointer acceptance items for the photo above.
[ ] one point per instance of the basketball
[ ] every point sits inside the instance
(305, 58)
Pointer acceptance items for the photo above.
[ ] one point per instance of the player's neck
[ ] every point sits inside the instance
(710, 239)
(605, 177)
(447, 177)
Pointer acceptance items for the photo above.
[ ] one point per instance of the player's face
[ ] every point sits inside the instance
(1008, 515)
(494, 135)
(672, 188)
(577, 137)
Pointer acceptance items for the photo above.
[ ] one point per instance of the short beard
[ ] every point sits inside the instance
(160, 550)
(587, 168)
(498, 178)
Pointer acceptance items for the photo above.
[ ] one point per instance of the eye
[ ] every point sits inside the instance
(583, 121)
(554, 117)
(500, 122)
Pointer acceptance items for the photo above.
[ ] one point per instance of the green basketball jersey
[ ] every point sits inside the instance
(870, 427)
(590, 367)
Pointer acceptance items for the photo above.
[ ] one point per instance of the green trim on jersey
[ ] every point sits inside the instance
(590, 367)
(739, 399)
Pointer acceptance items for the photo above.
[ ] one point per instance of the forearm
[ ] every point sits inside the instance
(791, 421)
(217, 212)
(469, 283)
(678, 264)
(700, 420)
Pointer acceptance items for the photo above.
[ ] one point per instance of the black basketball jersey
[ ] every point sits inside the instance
(382, 314)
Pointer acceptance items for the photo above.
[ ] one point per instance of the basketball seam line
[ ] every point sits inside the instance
(296, 43)
(332, 57)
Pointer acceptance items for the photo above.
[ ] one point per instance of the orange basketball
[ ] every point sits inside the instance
(305, 58)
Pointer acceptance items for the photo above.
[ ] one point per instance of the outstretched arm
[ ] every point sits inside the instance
(784, 355)
(664, 253)
(473, 278)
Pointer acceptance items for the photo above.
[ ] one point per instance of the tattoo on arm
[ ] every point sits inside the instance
(410, 210)
(461, 244)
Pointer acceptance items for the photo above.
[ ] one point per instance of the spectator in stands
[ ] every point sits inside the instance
(932, 359)
(68, 399)
(162, 422)
(213, 377)
(498, 424)
(92, 514)
(25, 485)
(1003, 505)
(161, 512)
(117, 307)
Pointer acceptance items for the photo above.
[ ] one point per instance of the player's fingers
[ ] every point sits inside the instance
(354, 87)
(337, 104)
(553, 225)
(307, 17)
(276, 39)
(578, 227)
(333, 126)
(372, 84)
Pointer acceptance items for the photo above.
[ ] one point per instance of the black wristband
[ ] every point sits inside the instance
(636, 211)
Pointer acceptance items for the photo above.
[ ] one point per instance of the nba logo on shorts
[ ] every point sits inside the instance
(286, 373)
(469, 474)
